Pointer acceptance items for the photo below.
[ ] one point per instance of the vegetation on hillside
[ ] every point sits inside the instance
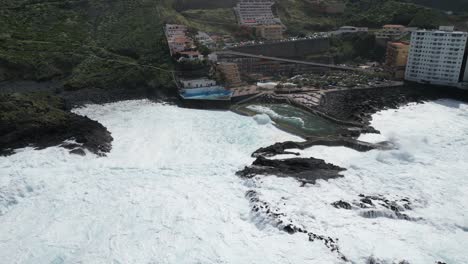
(85, 43)
(42, 120)
(300, 16)
(120, 43)
(220, 20)
(181, 5)
(449, 5)
(374, 14)
(356, 48)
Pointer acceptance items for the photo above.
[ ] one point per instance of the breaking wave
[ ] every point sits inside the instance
(167, 193)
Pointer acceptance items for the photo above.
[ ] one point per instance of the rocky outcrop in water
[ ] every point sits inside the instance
(267, 213)
(373, 260)
(41, 120)
(358, 105)
(305, 170)
(374, 206)
(282, 147)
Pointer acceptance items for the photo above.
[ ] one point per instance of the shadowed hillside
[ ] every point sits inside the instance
(85, 43)
(120, 43)
(453, 5)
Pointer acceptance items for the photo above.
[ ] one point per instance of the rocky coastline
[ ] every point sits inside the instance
(42, 120)
(358, 105)
(38, 114)
(353, 106)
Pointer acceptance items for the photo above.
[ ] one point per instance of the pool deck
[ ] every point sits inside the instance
(307, 98)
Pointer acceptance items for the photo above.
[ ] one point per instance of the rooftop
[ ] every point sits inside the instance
(393, 26)
(399, 43)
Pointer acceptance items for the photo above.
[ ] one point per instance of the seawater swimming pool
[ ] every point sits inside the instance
(293, 119)
(207, 93)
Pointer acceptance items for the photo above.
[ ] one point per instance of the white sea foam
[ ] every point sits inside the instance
(167, 192)
(429, 167)
(262, 119)
(274, 115)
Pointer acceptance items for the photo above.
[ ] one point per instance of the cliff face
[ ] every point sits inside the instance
(85, 43)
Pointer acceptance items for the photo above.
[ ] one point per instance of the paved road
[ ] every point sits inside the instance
(331, 66)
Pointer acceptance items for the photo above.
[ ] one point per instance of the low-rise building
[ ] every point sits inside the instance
(396, 59)
(177, 39)
(205, 39)
(178, 44)
(190, 55)
(198, 83)
(231, 73)
(175, 30)
(392, 32)
(438, 57)
(269, 32)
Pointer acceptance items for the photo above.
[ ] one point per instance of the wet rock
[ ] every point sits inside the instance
(332, 141)
(41, 120)
(358, 105)
(342, 204)
(375, 206)
(278, 149)
(78, 151)
(374, 260)
(367, 201)
(71, 146)
(307, 170)
(267, 213)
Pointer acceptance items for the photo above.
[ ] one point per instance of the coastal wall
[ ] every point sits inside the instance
(357, 105)
(350, 104)
(289, 49)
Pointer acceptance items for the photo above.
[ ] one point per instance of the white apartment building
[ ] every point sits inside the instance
(437, 57)
(256, 12)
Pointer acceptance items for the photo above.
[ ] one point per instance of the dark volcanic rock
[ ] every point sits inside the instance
(278, 149)
(342, 204)
(270, 214)
(40, 120)
(78, 151)
(332, 141)
(378, 206)
(358, 105)
(307, 170)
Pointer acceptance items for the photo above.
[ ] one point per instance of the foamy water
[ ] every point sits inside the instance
(167, 192)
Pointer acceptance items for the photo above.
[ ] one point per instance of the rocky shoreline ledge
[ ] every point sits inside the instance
(353, 106)
(41, 120)
(349, 106)
(38, 114)
(358, 105)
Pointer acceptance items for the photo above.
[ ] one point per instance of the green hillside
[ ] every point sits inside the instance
(120, 43)
(300, 16)
(452, 5)
(86, 43)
